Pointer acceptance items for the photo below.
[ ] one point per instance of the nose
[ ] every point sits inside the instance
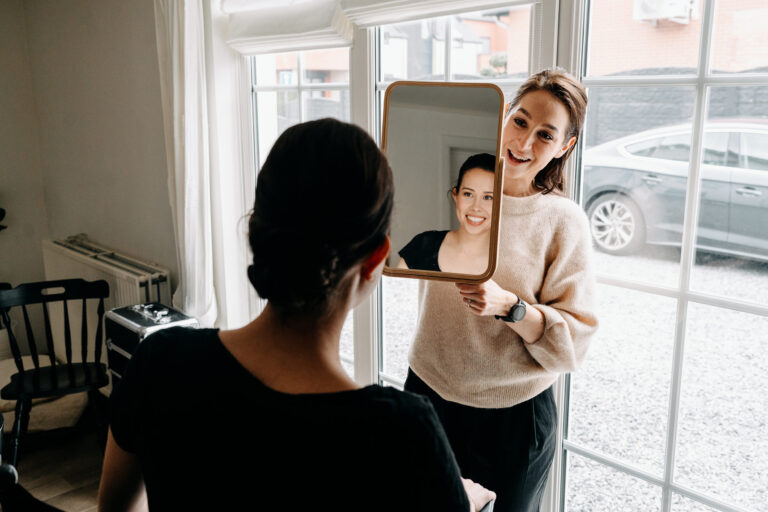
(526, 140)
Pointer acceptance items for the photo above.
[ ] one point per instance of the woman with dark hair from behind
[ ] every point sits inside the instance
(265, 417)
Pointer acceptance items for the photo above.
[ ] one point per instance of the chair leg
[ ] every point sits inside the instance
(20, 424)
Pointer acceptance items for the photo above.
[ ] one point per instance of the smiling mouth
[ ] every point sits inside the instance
(515, 160)
(472, 220)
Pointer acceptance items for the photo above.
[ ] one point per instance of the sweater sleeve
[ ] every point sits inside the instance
(567, 297)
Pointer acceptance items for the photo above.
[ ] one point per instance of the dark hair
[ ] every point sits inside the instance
(484, 161)
(323, 203)
(563, 86)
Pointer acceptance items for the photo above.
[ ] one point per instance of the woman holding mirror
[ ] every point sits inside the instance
(265, 417)
(463, 250)
(487, 354)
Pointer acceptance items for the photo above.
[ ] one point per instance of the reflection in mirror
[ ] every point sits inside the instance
(441, 140)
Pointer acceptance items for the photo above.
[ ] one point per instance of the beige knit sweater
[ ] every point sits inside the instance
(544, 257)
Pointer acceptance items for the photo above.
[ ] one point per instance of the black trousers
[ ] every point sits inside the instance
(508, 451)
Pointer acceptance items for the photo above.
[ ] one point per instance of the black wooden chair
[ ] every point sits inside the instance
(56, 378)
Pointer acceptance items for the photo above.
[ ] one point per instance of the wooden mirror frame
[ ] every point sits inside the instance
(498, 187)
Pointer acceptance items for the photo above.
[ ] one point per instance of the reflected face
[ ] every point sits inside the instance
(534, 133)
(474, 200)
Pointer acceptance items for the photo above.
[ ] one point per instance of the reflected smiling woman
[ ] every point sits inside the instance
(463, 250)
(487, 354)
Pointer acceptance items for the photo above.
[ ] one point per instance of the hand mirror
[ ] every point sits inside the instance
(430, 131)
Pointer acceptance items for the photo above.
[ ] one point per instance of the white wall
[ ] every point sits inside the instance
(97, 91)
(21, 179)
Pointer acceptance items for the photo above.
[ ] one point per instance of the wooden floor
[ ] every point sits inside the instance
(65, 472)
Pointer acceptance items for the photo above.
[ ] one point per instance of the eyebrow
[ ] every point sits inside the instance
(464, 187)
(528, 115)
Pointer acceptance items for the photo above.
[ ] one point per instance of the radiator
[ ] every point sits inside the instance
(131, 281)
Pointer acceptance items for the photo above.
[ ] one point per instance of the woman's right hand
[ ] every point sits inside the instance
(478, 495)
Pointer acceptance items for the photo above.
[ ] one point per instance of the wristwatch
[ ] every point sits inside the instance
(516, 312)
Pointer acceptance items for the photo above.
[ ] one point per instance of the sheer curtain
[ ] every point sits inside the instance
(209, 173)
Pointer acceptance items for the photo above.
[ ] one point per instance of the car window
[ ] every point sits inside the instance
(716, 149)
(674, 147)
(643, 148)
(754, 147)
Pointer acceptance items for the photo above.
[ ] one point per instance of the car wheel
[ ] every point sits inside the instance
(616, 224)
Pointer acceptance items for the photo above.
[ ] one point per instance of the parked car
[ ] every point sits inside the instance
(635, 189)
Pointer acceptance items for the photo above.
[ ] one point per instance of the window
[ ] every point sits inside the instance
(289, 88)
(664, 413)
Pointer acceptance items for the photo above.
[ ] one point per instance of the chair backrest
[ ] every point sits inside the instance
(44, 293)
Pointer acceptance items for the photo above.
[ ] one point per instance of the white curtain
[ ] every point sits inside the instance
(181, 53)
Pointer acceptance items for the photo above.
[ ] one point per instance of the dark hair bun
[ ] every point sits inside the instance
(323, 203)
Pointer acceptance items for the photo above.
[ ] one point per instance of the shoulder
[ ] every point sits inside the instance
(566, 216)
(427, 238)
(177, 343)
(403, 406)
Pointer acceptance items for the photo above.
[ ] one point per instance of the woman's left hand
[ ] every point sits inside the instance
(487, 298)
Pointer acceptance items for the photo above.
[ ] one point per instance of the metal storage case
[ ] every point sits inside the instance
(126, 327)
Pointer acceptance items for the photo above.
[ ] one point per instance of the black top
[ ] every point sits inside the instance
(421, 252)
(210, 436)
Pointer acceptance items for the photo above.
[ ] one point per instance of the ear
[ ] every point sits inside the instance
(372, 262)
(566, 147)
(454, 193)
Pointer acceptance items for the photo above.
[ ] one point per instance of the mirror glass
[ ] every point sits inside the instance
(430, 131)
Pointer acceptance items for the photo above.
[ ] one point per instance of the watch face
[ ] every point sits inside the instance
(518, 312)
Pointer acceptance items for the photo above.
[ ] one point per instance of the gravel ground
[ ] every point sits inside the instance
(619, 401)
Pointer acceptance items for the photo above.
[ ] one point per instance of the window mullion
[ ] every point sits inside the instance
(367, 315)
(688, 253)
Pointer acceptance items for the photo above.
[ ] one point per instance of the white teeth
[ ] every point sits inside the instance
(475, 219)
(518, 157)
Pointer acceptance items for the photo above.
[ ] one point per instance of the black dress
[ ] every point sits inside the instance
(421, 252)
(210, 436)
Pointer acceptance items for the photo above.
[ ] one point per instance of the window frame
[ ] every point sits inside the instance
(575, 26)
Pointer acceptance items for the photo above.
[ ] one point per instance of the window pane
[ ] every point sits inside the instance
(326, 66)
(275, 111)
(740, 38)
(491, 44)
(413, 51)
(636, 203)
(619, 398)
(722, 433)
(399, 310)
(632, 37)
(732, 241)
(319, 104)
(592, 487)
(277, 69)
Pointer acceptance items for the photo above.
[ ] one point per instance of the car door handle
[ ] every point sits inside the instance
(748, 191)
(652, 179)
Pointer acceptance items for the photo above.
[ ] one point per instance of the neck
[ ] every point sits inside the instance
(472, 243)
(519, 188)
(317, 337)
